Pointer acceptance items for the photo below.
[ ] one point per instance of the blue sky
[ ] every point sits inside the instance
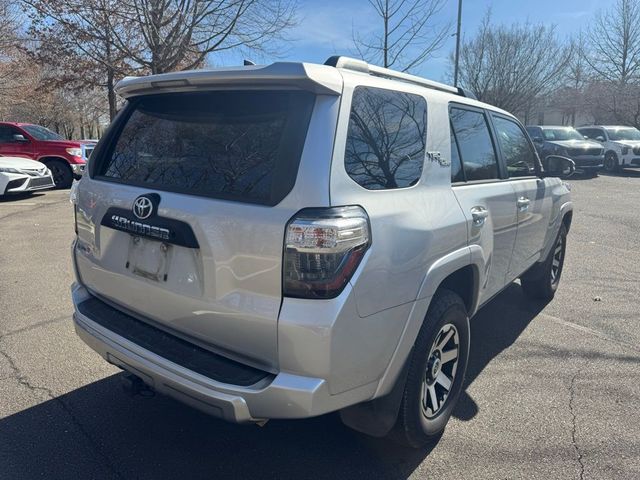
(325, 26)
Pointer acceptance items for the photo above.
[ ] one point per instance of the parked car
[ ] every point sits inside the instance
(19, 175)
(588, 155)
(621, 144)
(308, 245)
(65, 158)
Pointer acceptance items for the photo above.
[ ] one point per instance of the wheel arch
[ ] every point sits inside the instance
(51, 158)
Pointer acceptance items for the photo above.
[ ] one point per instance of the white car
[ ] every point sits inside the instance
(20, 175)
(621, 144)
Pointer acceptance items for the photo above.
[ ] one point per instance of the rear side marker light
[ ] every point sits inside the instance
(323, 248)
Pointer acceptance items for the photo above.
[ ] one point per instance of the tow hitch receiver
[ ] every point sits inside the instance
(133, 386)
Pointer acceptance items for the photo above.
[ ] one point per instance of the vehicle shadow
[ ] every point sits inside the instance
(98, 431)
(494, 329)
(19, 196)
(625, 173)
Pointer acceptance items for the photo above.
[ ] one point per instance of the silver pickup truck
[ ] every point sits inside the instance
(284, 241)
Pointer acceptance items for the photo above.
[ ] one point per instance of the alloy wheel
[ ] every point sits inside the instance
(442, 365)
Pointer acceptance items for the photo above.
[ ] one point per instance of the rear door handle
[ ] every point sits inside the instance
(479, 215)
(523, 203)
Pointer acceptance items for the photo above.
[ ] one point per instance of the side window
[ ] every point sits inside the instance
(457, 174)
(599, 134)
(533, 132)
(386, 138)
(592, 133)
(474, 141)
(516, 149)
(6, 133)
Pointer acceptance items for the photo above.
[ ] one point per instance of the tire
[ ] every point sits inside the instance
(611, 162)
(419, 422)
(62, 175)
(541, 281)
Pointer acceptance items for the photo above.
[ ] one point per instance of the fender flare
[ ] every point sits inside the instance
(48, 158)
(471, 255)
(565, 208)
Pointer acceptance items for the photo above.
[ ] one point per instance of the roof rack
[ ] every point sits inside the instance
(361, 66)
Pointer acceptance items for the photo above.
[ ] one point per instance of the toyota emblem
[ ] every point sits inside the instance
(143, 207)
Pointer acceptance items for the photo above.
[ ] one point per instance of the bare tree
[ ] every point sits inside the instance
(614, 43)
(510, 67)
(78, 36)
(612, 53)
(408, 36)
(180, 34)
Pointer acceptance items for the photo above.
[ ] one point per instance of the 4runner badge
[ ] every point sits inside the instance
(143, 207)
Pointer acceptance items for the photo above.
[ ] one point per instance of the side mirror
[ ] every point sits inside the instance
(600, 138)
(556, 166)
(18, 137)
(585, 137)
(538, 140)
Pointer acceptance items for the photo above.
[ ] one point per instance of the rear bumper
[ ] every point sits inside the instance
(282, 395)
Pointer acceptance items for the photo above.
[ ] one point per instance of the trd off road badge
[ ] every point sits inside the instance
(437, 157)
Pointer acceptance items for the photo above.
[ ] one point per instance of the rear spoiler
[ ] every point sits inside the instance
(319, 79)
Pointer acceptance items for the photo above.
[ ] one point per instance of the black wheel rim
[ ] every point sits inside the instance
(58, 174)
(557, 261)
(440, 372)
(609, 163)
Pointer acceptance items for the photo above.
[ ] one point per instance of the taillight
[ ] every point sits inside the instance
(323, 248)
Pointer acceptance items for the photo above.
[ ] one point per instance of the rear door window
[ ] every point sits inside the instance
(474, 141)
(517, 152)
(236, 145)
(386, 138)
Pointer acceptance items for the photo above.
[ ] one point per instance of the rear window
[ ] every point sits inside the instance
(386, 138)
(236, 145)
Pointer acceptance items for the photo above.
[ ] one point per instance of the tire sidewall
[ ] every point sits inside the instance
(561, 234)
(614, 157)
(67, 178)
(456, 315)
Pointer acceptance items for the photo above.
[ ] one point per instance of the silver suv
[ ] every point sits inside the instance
(291, 240)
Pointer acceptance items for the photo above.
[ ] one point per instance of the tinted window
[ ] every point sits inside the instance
(591, 132)
(42, 133)
(457, 175)
(474, 141)
(516, 150)
(386, 138)
(7, 133)
(533, 132)
(240, 145)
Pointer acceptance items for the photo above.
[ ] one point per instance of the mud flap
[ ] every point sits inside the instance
(378, 417)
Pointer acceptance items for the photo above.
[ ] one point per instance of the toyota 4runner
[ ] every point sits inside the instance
(295, 239)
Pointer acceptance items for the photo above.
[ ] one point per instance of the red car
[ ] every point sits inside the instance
(65, 158)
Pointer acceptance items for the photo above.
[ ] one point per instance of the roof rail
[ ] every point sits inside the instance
(361, 66)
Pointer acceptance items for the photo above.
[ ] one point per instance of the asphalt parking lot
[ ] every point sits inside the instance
(553, 391)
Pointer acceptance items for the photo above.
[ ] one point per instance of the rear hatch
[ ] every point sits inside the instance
(182, 218)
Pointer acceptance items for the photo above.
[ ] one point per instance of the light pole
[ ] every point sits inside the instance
(455, 68)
